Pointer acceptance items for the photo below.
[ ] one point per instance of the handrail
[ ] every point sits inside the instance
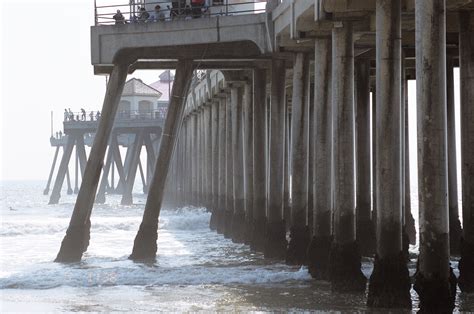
(94, 116)
(172, 10)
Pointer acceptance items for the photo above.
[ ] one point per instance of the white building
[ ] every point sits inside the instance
(139, 100)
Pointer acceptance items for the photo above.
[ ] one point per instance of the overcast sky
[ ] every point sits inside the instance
(45, 66)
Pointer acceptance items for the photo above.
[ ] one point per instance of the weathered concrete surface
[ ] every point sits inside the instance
(248, 154)
(275, 238)
(222, 189)
(365, 232)
(466, 48)
(239, 36)
(145, 246)
(389, 285)
(238, 219)
(77, 235)
(299, 232)
(345, 259)
(259, 160)
(229, 164)
(127, 198)
(215, 164)
(63, 169)
(318, 252)
(432, 281)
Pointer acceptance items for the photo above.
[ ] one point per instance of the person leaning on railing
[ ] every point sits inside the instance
(119, 18)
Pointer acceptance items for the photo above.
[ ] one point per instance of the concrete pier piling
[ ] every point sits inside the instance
(365, 232)
(222, 165)
(345, 259)
(215, 164)
(466, 60)
(299, 231)
(145, 247)
(259, 160)
(238, 218)
(248, 159)
(389, 284)
(275, 231)
(318, 251)
(434, 282)
(229, 164)
(77, 235)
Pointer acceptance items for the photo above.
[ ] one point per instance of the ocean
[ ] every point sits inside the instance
(196, 269)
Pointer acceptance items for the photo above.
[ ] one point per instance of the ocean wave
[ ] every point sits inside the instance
(187, 218)
(140, 275)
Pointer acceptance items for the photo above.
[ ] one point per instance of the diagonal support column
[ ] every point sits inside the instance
(46, 189)
(100, 197)
(127, 198)
(63, 169)
(77, 234)
(434, 281)
(145, 247)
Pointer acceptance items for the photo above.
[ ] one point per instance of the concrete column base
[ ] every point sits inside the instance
(318, 257)
(455, 235)
(144, 246)
(366, 235)
(436, 295)
(220, 221)
(344, 268)
(100, 198)
(213, 220)
(69, 191)
(127, 199)
(54, 198)
(390, 284)
(73, 245)
(228, 215)
(258, 234)
(298, 246)
(248, 230)
(275, 240)
(238, 227)
(466, 267)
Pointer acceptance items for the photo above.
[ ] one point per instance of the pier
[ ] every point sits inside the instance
(286, 101)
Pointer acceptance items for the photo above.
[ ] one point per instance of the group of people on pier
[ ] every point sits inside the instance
(70, 116)
(179, 10)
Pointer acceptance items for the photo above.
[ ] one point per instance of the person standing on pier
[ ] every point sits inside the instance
(66, 115)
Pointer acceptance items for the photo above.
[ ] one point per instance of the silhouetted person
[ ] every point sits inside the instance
(71, 114)
(83, 114)
(91, 115)
(159, 15)
(60, 134)
(143, 16)
(118, 17)
(66, 115)
(97, 115)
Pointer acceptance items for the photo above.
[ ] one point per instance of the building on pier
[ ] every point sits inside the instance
(140, 116)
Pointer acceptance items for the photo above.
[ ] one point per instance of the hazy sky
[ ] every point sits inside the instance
(45, 66)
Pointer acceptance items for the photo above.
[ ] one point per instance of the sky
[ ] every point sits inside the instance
(45, 66)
